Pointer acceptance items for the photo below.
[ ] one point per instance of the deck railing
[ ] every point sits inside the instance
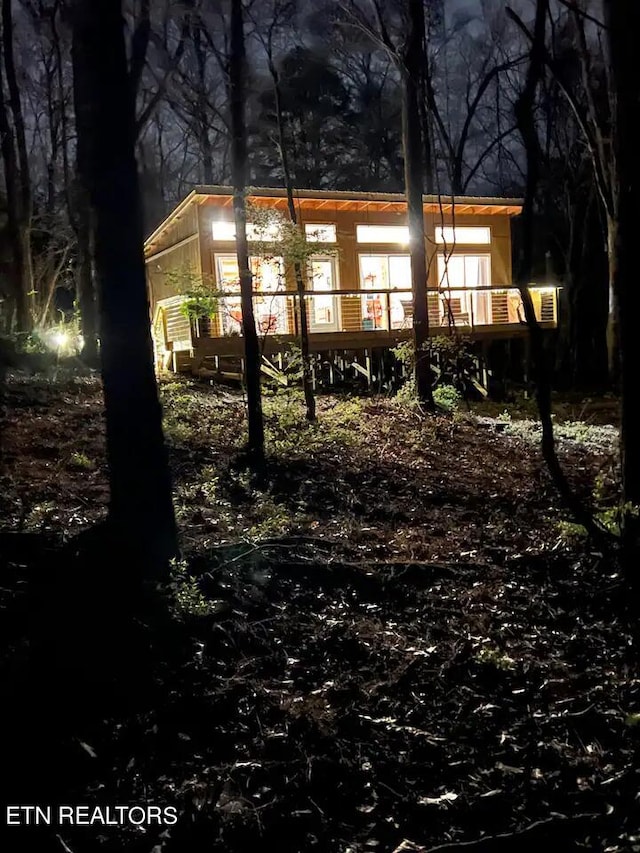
(347, 310)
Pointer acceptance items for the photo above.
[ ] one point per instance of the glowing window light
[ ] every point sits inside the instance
(382, 234)
(463, 235)
(325, 233)
(224, 231)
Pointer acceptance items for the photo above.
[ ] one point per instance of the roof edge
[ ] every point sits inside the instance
(355, 195)
(323, 195)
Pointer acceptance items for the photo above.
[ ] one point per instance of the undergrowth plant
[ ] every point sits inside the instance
(186, 595)
(452, 365)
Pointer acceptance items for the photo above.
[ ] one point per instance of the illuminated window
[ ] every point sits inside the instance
(462, 279)
(270, 309)
(267, 233)
(225, 230)
(324, 306)
(320, 233)
(463, 235)
(382, 234)
(381, 308)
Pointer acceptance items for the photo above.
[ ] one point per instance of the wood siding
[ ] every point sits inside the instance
(165, 263)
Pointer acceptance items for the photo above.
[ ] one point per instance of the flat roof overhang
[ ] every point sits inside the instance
(325, 200)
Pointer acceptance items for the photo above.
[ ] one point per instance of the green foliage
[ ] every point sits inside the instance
(176, 432)
(405, 354)
(447, 397)
(608, 511)
(201, 295)
(289, 434)
(407, 394)
(59, 339)
(81, 461)
(188, 600)
(279, 237)
(570, 532)
(275, 519)
(453, 363)
(494, 657)
(40, 515)
(32, 343)
(199, 306)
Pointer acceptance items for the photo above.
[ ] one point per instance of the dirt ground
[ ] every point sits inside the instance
(394, 640)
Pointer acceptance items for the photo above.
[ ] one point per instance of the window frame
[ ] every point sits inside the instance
(337, 308)
(312, 225)
(390, 293)
(235, 295)
(469, 294)
(404, 244)
(460, 242)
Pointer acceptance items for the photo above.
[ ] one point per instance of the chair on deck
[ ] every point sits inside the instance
(407, 308)
(433, 308)
(453, 312)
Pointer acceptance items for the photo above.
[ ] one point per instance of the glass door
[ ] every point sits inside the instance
(458, 278)
(400, 304)
(374, 277)
(229, 308)
(323, 313)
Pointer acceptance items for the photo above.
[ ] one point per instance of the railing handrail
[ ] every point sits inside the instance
(443, 289)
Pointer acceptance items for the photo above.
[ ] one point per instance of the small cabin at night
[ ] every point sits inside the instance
(358, 282)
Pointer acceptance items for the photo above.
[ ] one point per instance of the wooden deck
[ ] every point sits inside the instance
(233, 346)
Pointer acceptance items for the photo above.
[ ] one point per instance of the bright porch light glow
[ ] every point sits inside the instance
(59, 339)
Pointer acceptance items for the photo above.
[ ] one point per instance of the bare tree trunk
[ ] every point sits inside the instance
(624, 24)
(429, 177)
(238, 170)
(85, 286)
(307, 380)
(206, 152)
(141, 509)
(51, 286)
(17, 177)
(613, 318)
(81, 217)
(413, 171)
(542, 369)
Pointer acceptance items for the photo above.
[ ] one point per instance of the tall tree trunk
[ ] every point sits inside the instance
(624, 24)
(141, 509)
(429, 177)
(206, 151)
(81, 218)
(613, 318)
(238, 170)
(307, 379)
(19, 288)
(85, 285)
(413, 178)
(17, 177)
(525, 119)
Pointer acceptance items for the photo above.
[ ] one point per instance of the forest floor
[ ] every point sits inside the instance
(394, 640)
